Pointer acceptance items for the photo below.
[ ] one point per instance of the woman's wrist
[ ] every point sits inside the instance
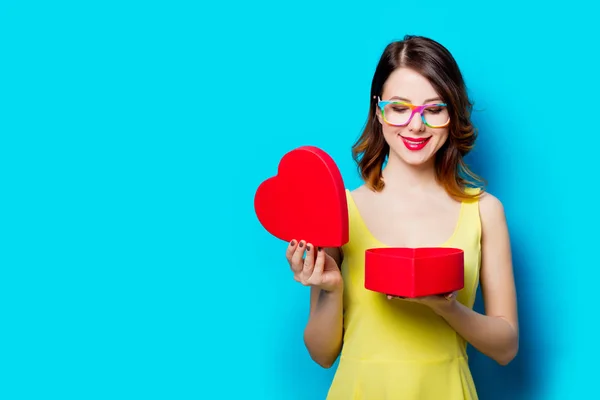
(334, 291)
(447, 307)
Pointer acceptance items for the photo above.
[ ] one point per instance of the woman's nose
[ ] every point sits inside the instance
(416, 123)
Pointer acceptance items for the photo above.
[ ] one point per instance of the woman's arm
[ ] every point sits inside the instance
(496, 333)
(324, 330)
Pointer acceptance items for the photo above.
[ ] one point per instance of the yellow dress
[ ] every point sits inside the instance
(396, 349)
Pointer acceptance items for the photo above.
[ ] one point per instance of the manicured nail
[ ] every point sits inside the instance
(307, 248)
(319, 248)
(301, 244)
(293, 243)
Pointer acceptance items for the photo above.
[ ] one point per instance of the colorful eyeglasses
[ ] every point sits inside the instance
(400, 113)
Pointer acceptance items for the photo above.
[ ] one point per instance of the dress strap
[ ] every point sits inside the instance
(470, 223)
(355, 224)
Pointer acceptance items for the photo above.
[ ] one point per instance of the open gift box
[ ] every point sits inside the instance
(414, 272)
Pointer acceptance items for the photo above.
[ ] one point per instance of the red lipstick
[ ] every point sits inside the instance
(415, 144)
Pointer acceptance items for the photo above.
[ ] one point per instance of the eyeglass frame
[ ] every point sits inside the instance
(414, 110)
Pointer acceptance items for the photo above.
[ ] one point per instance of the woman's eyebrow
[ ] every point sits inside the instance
(435, 99)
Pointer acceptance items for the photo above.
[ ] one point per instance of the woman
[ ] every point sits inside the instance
(417, 192)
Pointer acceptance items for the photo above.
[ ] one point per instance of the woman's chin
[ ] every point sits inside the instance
(416, 159)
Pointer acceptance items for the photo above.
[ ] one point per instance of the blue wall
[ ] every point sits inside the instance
(134, 136)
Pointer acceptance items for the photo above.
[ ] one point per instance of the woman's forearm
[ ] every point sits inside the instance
(493, 336)
(324, 330)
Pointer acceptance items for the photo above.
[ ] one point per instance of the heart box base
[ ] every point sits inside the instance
(414, 272)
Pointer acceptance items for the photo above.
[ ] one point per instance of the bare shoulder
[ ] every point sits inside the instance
(491, 210)
(361, 194)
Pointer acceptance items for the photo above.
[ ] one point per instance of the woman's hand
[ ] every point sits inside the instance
(438, 303)
(317, 269)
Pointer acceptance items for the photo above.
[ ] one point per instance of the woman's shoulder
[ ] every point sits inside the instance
(489, 202)
(481, 195)
(491, 209)
(360, 196)
(359, 192)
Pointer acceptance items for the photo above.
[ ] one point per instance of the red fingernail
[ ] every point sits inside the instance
(301, 244)
(308, 248)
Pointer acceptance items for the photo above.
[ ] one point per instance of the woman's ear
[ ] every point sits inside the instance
(377, 110)
(378, 114)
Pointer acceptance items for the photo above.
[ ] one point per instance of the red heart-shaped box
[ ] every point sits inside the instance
(306, 200)
(414, 272)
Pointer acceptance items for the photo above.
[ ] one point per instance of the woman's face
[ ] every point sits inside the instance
(415, 143)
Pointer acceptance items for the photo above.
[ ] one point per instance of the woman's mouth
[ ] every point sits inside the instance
(415, 144)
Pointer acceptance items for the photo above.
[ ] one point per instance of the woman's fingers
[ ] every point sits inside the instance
(307, 270)
(317, 273)
(390, 297)
(450, 296)
(289, 252)
(296, 259)
(309, 263)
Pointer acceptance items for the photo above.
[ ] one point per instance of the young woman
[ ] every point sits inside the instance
(417, 192)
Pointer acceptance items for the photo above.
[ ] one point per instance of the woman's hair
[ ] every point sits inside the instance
(434, 62)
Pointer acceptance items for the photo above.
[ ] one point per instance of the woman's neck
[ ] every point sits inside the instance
(400, 177)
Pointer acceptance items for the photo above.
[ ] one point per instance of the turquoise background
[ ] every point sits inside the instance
(133, 136)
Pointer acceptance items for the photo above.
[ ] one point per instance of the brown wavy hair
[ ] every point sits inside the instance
(434, 62)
